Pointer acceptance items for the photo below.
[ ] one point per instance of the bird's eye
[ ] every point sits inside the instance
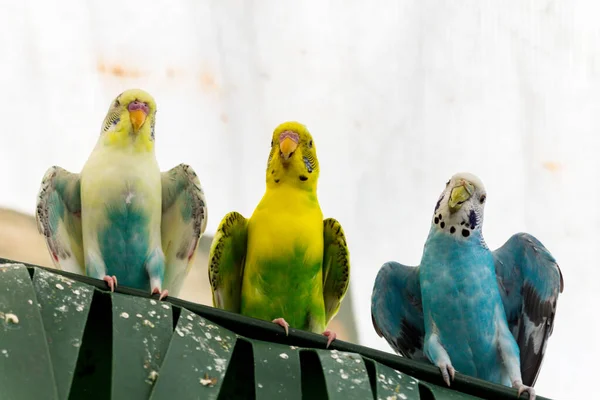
(447, 183)
(310, 144)
(482, 198)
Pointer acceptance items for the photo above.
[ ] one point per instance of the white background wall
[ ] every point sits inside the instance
(398, 94)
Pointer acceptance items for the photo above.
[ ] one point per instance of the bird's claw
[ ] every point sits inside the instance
(522, 388)
(448, 372)
(331, 336)
(282, 322)
(111, 281)
(162, 294)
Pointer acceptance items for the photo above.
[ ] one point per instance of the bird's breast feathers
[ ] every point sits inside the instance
(282, 226)
(118, 182)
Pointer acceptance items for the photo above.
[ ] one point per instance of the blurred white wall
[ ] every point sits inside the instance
(399, 95)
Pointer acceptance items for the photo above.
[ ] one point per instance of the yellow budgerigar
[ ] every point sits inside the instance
(121, 219)
(285, 264)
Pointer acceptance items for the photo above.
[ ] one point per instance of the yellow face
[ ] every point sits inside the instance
(130, 120)
(293, 157)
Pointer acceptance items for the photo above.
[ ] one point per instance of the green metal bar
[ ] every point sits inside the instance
(277, 371)
(440, 393)
(392, 384)
(142, 330)
(64, 306)
(25, 367)
(346, 375)
(196, 360)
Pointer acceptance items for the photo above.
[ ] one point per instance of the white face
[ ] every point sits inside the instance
(459, 211)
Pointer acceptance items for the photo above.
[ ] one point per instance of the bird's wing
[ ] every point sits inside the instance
(184, 217)
(59, 218)
(530, 281)
(397, 310)
(226, 262)
(336, 267)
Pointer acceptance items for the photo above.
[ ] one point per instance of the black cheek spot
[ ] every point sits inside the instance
(442, 224)
(436, 220)
(276, 180)
(452, 229)
(466, 232)
(303, 178)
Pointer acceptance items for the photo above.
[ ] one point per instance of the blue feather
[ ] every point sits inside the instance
(124, 245)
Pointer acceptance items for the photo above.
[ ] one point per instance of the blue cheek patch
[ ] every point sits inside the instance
(472, 219)
(307, 165)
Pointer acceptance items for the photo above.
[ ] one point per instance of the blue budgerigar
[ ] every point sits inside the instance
(486, 314)
(121, 219)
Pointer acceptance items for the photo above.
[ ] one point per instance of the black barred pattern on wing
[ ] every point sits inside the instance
(526, 271)
(199, 210)
(59, 206)
(42, 206)
(217, 251)
(336, 277)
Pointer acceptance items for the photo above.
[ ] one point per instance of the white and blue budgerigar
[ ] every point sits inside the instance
(121, 219)
(486, 314)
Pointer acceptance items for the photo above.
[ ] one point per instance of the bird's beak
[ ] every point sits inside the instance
(288, 143)
(459, 195)
(138, 117)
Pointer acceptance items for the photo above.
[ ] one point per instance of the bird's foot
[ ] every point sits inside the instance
(162, 294)
(522, 388)
(331, 336)
(282, 322)
(111, 281)
(447, 370)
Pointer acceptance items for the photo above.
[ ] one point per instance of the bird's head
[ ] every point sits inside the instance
(130, 121)
(293, 157)
(459, 210)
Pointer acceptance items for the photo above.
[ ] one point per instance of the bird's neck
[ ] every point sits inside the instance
(456, 237)
(459, 254)
(128, 141)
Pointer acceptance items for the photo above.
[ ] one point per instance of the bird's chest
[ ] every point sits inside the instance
(284, 255)
(458, 284)
(286, 224)
(291, 240)
(121, 191)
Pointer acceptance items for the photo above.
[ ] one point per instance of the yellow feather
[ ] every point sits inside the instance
(285, 216)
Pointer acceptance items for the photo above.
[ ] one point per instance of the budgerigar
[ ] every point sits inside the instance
(284, 264)
(121, 218)
(486, 314)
